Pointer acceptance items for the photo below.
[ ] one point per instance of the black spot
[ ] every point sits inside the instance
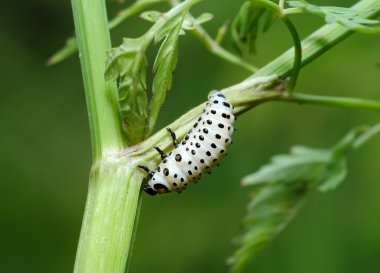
(187, 149)
(226, 140)
(224, 115)
(191, 143)
(175, 184)
(216, 101)
(202, 161)
(201, 137)
(221, 95)
(199, 130)
(213, 145)
(208, 153)
(220, 125)
(178, 157)
(175, 175)
(193, 152)
(182, 179)
(189, 162)
(200, 118)
(166, 172)
(213, 112)
(165, 160)
(195, 168)
(197, 145)
(183, 142)
(226, 104)
(215, 159)
(218, 136)
(207, 167)
(189, 172)
(185, 184)
(205, 130)
(209, 122)
(194, 136)
(158, 169)
(221, 151)
(195, 125)
(187, 137)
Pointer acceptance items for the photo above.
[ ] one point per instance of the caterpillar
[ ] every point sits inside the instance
(200, 150)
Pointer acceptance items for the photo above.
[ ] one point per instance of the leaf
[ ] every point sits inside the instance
(348, 17)
(164, 65)
(190, 23)
(245, 26)
(281, 186)
(128, 63)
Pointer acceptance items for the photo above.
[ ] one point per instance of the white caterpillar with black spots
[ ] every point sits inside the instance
(199, 151)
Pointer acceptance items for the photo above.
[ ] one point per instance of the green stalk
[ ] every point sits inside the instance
(331, 101)
(114, 187)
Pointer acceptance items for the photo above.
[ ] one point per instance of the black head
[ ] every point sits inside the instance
(149, 190)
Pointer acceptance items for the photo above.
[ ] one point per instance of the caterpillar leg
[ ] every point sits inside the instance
(163, 155)
(149, 172)
(172, 134)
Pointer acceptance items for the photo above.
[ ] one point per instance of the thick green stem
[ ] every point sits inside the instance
(102, 98)
(114, 187)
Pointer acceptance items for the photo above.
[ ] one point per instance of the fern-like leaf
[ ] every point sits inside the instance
(280, 187)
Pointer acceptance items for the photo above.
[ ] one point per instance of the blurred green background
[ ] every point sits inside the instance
(45, 153)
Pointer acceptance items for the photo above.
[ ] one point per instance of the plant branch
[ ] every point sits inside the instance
(300, 98)
(101, 96)
(215, 48)
(114, 188)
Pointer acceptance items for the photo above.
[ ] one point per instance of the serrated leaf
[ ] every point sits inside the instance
(348, 17)
(282, 185)
(164, 65)
(128, 63)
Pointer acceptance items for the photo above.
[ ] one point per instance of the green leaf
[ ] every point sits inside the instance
(164, 65)
(280, 187)
(128, 63)
(190, 23)
(348, 17)
(245, 26)
(151, 16)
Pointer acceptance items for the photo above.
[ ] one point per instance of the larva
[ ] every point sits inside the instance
(199, 151)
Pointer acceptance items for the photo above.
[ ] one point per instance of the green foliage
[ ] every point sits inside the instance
(245, 25)
(164, 66)
(348, 17)
(281, 186)
(128, 64)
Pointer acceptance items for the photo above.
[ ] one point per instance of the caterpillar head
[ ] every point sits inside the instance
(156, 185)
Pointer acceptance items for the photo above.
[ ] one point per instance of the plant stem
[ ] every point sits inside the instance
(297, 53)
(114, 187)
(102, 98)
(330, 101)
(214, 47)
